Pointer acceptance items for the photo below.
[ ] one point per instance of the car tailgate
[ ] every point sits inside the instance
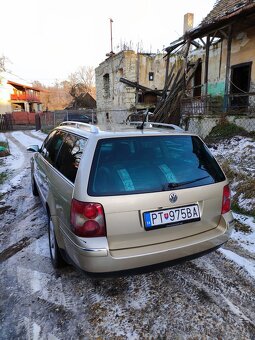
(125, 222)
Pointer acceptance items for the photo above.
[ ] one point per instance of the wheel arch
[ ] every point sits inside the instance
(57, 230)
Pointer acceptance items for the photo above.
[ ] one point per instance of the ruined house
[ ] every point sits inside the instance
(223, 48)
(127, 82)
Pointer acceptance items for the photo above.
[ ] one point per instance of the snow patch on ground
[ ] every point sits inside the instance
(2, 137)
(26, 140)
(15, 160)
(248, 265)
(13, 183)
(38, 134)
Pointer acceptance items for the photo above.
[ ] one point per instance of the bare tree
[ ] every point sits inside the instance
(81, 82)
(3, 61)
(68, 92)
(55, 97)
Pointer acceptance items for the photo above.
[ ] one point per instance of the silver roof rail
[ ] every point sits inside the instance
(155, 124)
(80, 125)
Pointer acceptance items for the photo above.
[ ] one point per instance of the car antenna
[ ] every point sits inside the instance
(140, 127)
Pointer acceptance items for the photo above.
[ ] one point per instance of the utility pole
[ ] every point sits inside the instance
(111, 21)
(110, 53)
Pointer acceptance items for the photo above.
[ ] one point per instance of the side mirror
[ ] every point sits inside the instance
(33, 148)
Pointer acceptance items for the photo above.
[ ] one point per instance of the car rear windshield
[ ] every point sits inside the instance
(123, 166)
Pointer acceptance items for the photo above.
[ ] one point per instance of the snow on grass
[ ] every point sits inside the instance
(247, 265)
(238, 149)
(239, 152)
(246, 240)
(246, 204)
(237, 157)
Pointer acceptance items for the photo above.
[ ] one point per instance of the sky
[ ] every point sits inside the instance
(46, 40)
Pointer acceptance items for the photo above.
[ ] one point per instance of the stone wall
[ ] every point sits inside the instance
(116, 100)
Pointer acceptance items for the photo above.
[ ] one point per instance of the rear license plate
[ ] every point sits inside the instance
(168, 217)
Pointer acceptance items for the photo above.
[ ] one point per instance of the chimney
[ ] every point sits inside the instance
(188, 22)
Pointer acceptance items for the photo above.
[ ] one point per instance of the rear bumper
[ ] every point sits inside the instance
(104, 260)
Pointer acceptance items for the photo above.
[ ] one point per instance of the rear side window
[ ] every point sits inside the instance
(70, 155)
(150, 164)
(52, 145)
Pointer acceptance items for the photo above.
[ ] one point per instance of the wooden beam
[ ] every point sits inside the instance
(140, 87)
(223, 33)
(207, 49)
(229, 43)
(202, 41)
(167, 68)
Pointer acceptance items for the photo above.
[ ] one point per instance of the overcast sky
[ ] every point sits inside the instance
(47, 40)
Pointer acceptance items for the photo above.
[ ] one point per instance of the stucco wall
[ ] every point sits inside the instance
(5, 92)
(242, 51)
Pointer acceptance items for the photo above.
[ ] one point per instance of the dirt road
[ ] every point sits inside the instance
(207, 298)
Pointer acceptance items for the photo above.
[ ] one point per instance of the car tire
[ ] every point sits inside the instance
(34, 187)
(55, 254)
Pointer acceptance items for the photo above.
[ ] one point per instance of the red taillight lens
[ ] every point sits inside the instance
(90, 211)
(87, 219)
(226, 200)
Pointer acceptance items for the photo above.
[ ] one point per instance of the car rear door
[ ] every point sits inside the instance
(135, 183)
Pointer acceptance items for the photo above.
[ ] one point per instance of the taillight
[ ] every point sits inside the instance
(226, 200)
(87, 219)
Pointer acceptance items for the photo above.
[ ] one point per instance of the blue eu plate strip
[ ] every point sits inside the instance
(147, 219)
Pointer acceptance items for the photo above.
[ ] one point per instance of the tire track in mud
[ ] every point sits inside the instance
(186, 295)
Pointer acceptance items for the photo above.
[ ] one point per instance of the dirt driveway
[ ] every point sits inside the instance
(208, 298)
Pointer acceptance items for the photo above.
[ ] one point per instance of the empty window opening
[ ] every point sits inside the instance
(120, 72)
(140, 98)
(197, 81)
(240, 85)
(151, 76)
(106, 78)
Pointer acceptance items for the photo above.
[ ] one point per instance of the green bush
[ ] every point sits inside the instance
(226, 130)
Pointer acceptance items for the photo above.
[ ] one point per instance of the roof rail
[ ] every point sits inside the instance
(155, 124)
(80, 125)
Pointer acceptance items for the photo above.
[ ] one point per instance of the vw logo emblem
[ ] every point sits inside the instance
(173, 197)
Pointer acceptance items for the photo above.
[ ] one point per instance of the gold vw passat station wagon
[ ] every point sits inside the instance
(125, 197)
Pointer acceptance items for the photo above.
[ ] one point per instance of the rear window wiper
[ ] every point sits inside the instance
(177, 185)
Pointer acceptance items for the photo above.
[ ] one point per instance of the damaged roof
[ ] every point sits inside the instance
(226, 8)
(224, 12)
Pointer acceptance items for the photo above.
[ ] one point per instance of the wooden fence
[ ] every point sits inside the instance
(6, 122)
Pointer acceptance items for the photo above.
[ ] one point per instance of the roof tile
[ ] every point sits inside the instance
(222, 8)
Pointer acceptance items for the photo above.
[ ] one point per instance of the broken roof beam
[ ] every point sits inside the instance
(140, 87)
(195, 43)
(175, 44)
